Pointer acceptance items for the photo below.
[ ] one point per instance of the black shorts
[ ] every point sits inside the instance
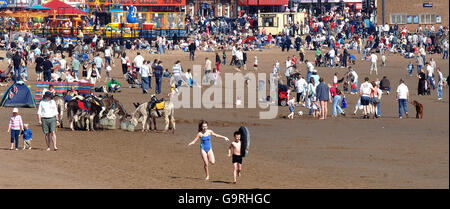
(237, 159)
(365, 100)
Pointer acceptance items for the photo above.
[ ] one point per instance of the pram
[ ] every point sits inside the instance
(5, 77)
(282, 95)
(132, 80)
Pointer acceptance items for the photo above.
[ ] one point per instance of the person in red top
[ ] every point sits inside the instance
(294, 62)
(337, 95)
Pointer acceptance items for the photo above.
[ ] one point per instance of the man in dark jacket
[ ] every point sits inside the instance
(385, 85)
(47, 66)
(288, 43)
(17, 60)
(192, 49)
(39, 62)
(158, 77)
(323, 95)
(298, 42)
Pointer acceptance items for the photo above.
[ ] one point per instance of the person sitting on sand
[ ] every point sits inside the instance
(206, 150)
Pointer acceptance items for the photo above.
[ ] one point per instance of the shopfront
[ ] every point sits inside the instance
(253, 6)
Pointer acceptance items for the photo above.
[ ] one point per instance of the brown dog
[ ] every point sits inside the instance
(419, 109)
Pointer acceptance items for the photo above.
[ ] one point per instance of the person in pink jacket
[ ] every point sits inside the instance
(15, 126)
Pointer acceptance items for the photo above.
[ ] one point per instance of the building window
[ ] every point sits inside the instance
(191, 9)
(219, 10)
(227, 10)
(427, 19)
(398, 19)
(269, 21)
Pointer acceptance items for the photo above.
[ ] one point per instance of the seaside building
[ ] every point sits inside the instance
(218, 8)
(412, 13)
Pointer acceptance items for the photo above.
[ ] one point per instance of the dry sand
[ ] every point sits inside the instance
(301, 153)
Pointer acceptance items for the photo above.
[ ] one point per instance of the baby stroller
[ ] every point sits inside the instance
(319, 61)
(133, 80)
(4, 77)
(282, 95)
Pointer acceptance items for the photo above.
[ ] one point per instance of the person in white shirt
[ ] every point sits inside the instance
(402, 98)
(355, 80)
(288, 71)
(364, 91)
(49, 118)
(93, 74)
(62, 63)
(430, 73)
(176, 74)
(239, 59)
(138, 61)
(440, 83)
(300, 86)
(108, 53)
(310, 69)
(373, 65)
(145, 72)
(332, 54)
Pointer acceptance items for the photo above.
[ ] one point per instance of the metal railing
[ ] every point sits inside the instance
(106, 34)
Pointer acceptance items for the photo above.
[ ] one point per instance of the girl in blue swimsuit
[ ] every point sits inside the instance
(205, 146)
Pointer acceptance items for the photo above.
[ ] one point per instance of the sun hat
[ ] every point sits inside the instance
(15, 110)
(48, 94)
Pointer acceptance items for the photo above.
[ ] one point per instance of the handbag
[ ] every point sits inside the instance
(344, 103)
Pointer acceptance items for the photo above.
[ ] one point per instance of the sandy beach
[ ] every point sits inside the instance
(301, 153)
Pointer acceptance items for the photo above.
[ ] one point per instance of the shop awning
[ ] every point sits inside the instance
(38, 7)
(326, 1)
(62, 8)
(263, 2)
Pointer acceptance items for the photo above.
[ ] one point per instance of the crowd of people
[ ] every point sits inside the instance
(332, 37)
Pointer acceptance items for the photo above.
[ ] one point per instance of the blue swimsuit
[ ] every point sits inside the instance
(206, 143)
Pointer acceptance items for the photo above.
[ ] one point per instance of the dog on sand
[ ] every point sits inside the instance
(419, 109)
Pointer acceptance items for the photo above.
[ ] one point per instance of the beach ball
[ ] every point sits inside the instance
(300, 113)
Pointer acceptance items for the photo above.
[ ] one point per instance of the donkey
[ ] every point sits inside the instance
(76, 115)
(110, 103)
(141, 111)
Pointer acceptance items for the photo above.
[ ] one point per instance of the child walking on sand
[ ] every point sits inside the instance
(291, 103)
(15, 126)
(235, 148)
(108, 72)
(27, 137)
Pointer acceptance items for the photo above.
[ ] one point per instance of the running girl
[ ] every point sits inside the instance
(205, 147)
